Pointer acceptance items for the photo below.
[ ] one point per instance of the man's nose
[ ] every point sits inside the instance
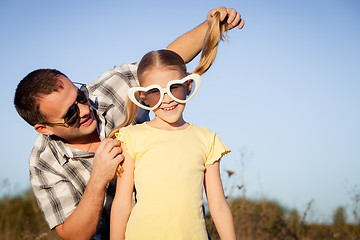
(84, 109)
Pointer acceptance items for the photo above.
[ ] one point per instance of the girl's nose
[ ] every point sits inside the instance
(167, 98)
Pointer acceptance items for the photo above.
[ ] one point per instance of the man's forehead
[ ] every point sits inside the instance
(63, 80)
(62, 95)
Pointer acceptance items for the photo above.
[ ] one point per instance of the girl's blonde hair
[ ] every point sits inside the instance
(171, 60)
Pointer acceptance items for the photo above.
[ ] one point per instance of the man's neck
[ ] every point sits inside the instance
(89, 145)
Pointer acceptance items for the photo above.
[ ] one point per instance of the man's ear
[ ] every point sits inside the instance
(44, 129)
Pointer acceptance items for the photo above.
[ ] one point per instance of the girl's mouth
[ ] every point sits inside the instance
(169, 108)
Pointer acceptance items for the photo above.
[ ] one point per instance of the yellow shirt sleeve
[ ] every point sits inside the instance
(125, 138)
(217, 149)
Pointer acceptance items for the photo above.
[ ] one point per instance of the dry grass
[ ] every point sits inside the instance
(20, 218)
(268, 220)
(265, 219)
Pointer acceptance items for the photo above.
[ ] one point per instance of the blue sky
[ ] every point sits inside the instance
(283, 94)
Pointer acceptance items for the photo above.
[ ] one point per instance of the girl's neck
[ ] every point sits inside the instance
(159, 124)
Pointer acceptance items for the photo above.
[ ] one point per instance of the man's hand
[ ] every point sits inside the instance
(107, 158)
(83, 222)
(232, 17)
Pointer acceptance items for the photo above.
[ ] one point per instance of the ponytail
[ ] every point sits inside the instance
(215, 33)
(130, 111)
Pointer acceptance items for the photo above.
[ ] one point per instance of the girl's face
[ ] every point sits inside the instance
(169, 114)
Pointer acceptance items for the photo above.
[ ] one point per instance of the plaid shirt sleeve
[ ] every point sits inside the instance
(108, 95)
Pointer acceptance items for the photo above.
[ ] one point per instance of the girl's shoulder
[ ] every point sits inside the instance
(134, 127)
(202, 130)
(130, 130)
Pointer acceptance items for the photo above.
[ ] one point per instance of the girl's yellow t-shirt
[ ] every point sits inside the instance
(168, 177)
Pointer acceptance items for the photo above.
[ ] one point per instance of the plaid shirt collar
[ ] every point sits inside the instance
(64, 152)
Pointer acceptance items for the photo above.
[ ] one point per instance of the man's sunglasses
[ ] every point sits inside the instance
(72, 115)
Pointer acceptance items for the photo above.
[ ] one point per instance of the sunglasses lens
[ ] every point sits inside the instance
(144, 97)
(152, 96)
(179, 90)
(148, 98)
(72, 115)
(182, 91)
(81, 97)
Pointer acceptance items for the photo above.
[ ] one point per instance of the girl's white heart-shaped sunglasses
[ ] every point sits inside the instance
(181, 91)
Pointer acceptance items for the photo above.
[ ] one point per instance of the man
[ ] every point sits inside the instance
(72, 162)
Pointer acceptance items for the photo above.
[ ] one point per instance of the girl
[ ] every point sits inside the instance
(168, 159)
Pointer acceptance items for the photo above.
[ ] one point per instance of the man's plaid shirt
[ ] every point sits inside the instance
(59, 173)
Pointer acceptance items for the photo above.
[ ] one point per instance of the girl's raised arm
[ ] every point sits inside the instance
(122, 204)
(219, 208)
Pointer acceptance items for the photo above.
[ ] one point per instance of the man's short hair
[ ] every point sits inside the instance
(31, 88)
